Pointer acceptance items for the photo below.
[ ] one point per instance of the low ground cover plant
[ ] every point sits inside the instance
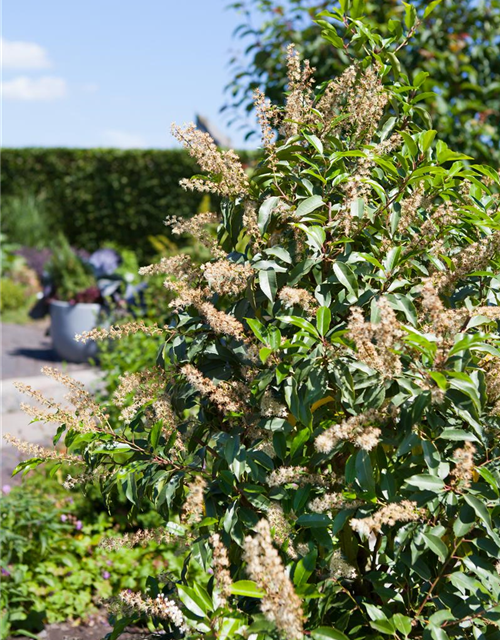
(320, 430)
(54, 567)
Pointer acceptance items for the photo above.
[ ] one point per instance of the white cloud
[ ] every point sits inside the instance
(45, 88)
(23, 55)
(124, 139)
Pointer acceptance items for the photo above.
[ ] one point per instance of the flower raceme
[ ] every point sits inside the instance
(321, 425)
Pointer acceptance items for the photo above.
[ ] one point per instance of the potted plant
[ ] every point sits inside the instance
(75, 301)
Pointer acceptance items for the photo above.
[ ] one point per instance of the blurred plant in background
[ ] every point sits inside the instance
(53, 566)
(27, 221)
(457, 45)
(19, 284)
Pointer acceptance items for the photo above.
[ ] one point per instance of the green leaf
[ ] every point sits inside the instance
(228, 628)
(315, 142)
(328, 633)
(304, 568)
(426, 482)
(374, 612)
(155, 433)
(427, 138)
(489, 477)
(430, 7)
(445, 154)
(247, 588)
(410, 143)
(436, 545)
(392, 259)
(313, 520)
(302, 323)
(316, 237)
(257, 327)
(265, 211)
(323, 319)
(465, 521)
(264, 354)
(437, 633)
(402, 623)
(192, 601)
(364, 472)
(345, 276)
(450, 433)
(483, 514)
(384, 626)
(203, 595)
(268, 284)
(357, 208)
(308, 205)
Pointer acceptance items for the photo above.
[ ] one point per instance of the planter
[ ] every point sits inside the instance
(67, 320)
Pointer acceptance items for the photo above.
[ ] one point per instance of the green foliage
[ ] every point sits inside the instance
(456, 45)
(26, 220)
(327, 398)
(18, 284)
(96, 196)
(12, 295)
(52, 566)
(68, 273)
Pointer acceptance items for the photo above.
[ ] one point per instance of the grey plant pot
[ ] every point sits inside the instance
(67, 320)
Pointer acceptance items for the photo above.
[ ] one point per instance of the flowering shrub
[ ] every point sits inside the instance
(320, 429)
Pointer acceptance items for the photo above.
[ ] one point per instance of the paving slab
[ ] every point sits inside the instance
(25, 350)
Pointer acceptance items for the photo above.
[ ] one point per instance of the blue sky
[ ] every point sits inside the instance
(88, 73)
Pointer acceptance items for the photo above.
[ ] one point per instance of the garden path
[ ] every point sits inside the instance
(25, 350)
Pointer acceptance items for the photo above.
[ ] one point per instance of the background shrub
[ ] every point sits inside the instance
(95, 196)
(456, 44)
(12, 294)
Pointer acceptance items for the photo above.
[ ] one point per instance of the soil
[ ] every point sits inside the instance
(96, 629)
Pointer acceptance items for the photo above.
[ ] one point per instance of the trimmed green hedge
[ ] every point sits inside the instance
(103, 195)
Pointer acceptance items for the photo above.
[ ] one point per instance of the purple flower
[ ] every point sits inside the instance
(78, 525)
(105, 262)
(109, 563)
(6, 489)
(64, 517)
(4, 572)
(106, 575)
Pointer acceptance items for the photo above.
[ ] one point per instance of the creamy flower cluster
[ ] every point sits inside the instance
(36, 451)
(332, 502)
(194, 505)
(228, 176)
(227, 278)
(280, 603)
(227, 396)
(298, 476)
(221, 565)
(375, 342)
(159, 607)
(340, 568)
(404, 511)
(119, 331)
(464, 466)
(356, 429)
(294, 296)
